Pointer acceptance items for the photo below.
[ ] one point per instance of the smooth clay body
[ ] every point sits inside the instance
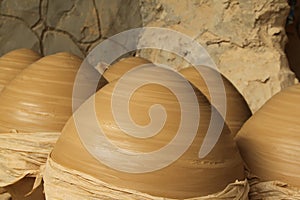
(189, 176)
(237, 110)
(122, 66)
(270, 140)
(13, 62)
(39, 99)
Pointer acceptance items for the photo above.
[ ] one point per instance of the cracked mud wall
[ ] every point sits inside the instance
(76, 26)
(245, 38)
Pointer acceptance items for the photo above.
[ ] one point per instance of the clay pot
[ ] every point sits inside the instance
(119, 68)
(14, 62)
(189, 176)
(269, 140)
(39, 98)
(237, 110)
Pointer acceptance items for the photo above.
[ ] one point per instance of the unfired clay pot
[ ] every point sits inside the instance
(14, 62)
(237, 110)
(119, 68)
(189, 176)
(39, 98)
(270, 140)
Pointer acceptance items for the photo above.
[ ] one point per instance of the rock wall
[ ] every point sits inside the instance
(245, 39)
(76, 26)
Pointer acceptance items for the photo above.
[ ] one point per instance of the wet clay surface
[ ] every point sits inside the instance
(39, 98)
(189, 176)
(269, 141)
(237, 110)
(14, 62)
(119, 68)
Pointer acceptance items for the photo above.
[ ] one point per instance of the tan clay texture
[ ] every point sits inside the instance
(116, 70)
(269, 140)
(39, 98)
(237, 110)
(187, 177)
(77, 185)
(14, 62)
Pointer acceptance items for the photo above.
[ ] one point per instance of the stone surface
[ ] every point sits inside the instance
(54, 42)
(79, 18)
(244, 38)
(78, 26)
(118, 15)
(26, 10)
(15, 34)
